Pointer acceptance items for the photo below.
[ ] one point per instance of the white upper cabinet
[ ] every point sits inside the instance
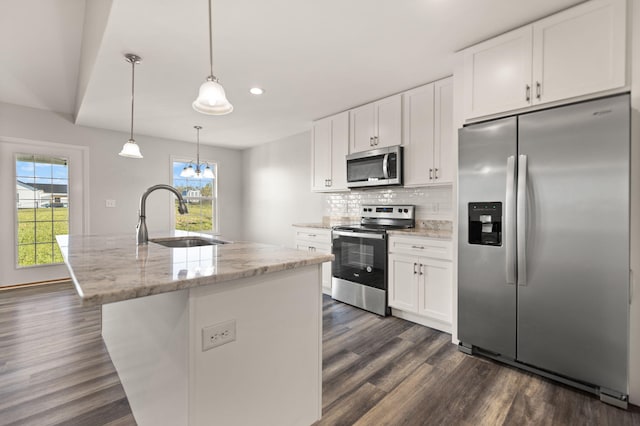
(419, 126)
(329, 147)
(497, 74)
(443, 161)
(428, 134)
(579, 51)
(573, 53)
(321, 154)
(377, 125)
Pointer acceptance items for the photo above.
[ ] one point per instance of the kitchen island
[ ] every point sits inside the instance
(163, 307)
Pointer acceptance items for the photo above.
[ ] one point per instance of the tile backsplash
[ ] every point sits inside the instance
(434, 202)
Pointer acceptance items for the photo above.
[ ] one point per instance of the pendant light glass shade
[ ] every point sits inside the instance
(208, 173)
(188, 171)
(212, 99)
(131, 150)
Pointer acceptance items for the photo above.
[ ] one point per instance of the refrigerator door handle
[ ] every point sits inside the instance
(510, 222)
(521, 220)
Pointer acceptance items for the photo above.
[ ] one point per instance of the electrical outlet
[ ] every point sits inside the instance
(218, 334)
(110, 203)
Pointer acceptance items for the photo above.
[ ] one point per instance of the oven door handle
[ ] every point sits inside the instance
(359, 235)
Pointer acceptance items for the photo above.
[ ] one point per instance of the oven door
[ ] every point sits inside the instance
(360, 257)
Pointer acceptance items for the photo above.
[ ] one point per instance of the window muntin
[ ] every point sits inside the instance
(201, 196)
(42, 208)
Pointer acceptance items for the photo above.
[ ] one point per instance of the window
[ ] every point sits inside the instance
(42, 208)
(200, 193)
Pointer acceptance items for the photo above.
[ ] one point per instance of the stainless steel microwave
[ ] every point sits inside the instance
(378, 167)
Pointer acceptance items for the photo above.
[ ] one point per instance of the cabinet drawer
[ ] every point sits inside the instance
(417, 246)
(313, 235)
(313, 247)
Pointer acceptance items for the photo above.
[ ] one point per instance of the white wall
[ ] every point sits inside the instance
(125, 179)
(277, 190)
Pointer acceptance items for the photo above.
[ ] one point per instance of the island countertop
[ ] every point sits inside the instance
(112, 268)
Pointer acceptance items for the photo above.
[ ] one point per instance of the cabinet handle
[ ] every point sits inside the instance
(312, 235)
(375, 140)
(421, 266)
(430, 174)
(371, 141)
(538, 90)
(330, 182)
(528, 92)
(418, 247)
(415, 265)
(436, 173)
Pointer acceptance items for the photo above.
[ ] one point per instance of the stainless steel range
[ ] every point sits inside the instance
(359, 271)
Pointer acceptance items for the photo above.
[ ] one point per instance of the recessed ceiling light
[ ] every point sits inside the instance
(256, 91)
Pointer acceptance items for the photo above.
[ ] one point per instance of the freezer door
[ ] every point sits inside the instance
(573, 292)
(486, 302)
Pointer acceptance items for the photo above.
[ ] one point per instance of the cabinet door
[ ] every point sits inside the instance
(434, 291)
(389, 121)
(418, 135)
(498, 73)
(443, 161)
(321, 154)
(362, 127)
(579, 51)
(403, 283)
(339, 151)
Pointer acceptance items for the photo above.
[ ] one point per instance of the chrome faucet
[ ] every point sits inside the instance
(142, 236)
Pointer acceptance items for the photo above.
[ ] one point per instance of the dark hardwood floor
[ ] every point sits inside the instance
(54, 369)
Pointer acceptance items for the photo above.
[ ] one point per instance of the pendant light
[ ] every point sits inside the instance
(212, 99)
(131, 148)
(198, 172)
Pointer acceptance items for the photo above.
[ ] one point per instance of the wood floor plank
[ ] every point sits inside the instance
(361, 370)
(347, 411)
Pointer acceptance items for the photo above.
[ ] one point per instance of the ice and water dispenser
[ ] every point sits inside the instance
(485, 223)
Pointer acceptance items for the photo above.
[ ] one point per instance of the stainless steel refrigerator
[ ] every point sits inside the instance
(543, 250)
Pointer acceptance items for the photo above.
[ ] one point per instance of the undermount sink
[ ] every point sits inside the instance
(174, 242)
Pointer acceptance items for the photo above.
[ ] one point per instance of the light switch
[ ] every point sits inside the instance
(110, 203)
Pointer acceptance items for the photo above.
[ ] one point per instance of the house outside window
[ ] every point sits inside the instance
(200, 193)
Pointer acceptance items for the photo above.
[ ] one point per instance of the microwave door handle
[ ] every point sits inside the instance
(385, 166)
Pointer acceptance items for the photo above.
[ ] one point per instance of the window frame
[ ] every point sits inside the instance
(215, 219)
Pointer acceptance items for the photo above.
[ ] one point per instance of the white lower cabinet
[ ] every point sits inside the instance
(420, 281)
(316, 240)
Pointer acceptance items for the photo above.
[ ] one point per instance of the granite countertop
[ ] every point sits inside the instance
(439, 234)
(112, 268)
(437, 229)
(317, 225)
(329, 222)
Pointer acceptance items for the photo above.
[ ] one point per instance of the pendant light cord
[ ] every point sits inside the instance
(133, 79)
(197, 148)
(210, 42)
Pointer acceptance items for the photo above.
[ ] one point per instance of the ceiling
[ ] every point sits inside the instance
(313, 58)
